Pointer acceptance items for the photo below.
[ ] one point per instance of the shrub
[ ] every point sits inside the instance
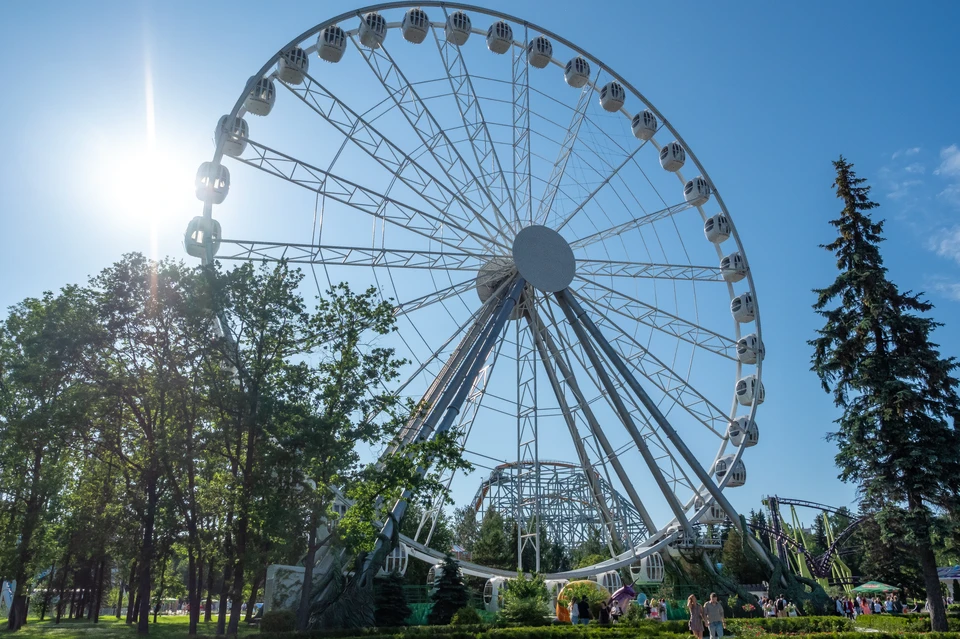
(466, 616)
(449, 595)
(792, 625)
(279, 621)
(526, 601)
(902, 623)
(390, 602)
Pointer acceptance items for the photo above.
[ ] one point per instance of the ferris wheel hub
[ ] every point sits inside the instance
(544, 258)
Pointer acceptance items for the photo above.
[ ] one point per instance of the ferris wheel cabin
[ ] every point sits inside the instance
(457, 28)
(743, 431)
(733, 267)
(293, 65)
(696, 192)
(539, 52)
(331, 43)
(261, 97)
(499, 37)
(373, 30)
(748, 389)
(577, 72)
(201, 232)
(612, 97)
(650, 570)
(213, 183)
(415, 25)
(672, 157)
(232, 135)
(717, 228)
(737, 471)
(644, 125)
(743, 308)
(750, 349)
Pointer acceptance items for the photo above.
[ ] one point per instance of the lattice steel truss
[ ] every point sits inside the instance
(569, 509)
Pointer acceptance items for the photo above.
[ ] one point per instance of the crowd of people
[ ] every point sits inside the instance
(581, 614)
(852, 607)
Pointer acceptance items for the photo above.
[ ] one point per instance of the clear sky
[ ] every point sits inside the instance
(110, 107)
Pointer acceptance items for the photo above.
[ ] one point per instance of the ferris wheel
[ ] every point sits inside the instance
(569, 286)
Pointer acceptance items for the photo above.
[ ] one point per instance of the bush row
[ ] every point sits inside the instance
(902, 623)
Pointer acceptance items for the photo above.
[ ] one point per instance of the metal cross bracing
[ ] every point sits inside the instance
(520, 99)
(568, 511)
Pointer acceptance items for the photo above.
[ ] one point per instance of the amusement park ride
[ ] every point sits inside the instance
(561, 288)
(791, 545)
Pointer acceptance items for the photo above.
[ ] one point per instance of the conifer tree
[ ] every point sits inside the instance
(896, 437)
(449, 594)
(390, 601)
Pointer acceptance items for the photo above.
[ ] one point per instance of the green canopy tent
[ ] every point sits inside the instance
(875, 587)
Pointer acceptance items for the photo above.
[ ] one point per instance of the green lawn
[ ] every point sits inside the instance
(171, 627)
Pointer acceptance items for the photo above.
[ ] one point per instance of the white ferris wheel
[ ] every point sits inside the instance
(570, 289)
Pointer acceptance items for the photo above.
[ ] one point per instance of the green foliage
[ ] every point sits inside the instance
(493, 546)
(390, 602)
(791, 625)
(278, 621)
(739, 562)
(466, 616)
(449, 594)
(901, 623)
(526, 601)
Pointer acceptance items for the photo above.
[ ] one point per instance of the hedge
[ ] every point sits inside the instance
(902, 623)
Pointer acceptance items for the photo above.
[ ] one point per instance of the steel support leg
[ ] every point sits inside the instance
(623, 412)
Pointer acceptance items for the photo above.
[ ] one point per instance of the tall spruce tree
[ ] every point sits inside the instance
(896, 437)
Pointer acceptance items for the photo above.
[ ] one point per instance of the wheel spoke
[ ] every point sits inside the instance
(522, 176)
(663, 377)
(351, 256)
(615, 301)
(482, 145)
(615, 268)
(365, 200)
(635, 223)
(573, 319)
(566, 147)
(361, 132)
(432, 135)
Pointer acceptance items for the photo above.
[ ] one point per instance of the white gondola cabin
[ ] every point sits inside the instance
(331, 43)
(733, 267)
(396, 561)
(457, 28)
(743, 307)
(373, 30)
(609, 580)
(261, 97)
(737, 471)
(293, 64)
(644, 125)
(696, 191)
(716, 228)
(499, 37)
(577, 72)
(672, 157)
(743, 431)
(493, 593)
(433, 575)
(750, 349)
(612, 97)
(201, 232)
(554, 586)
(233, 134)
(748, 389)
(415, 25)
(650, 570)
(713, 515)
(213, 182)
(539, 52)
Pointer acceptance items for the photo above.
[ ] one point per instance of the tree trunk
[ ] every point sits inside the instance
(146, 555)
(303, 610)
(920, 519)
(99, 596)
(61, 600)
(208, 613)
(254, 588)
(119, 600)
(136, 607)
(31, 519)
(131, 597)
(224, 596)
(193, 590)
(49, 593)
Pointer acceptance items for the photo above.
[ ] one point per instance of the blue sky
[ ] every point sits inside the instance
(110, 107)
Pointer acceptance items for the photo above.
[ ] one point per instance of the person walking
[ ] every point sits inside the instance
(716, 622)
(603, 617)
(781, 606)
(663, 609)
(697, 620)
(584, 610)
(574, 611)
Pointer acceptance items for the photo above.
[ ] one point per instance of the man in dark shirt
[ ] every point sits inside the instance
(584, 608)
